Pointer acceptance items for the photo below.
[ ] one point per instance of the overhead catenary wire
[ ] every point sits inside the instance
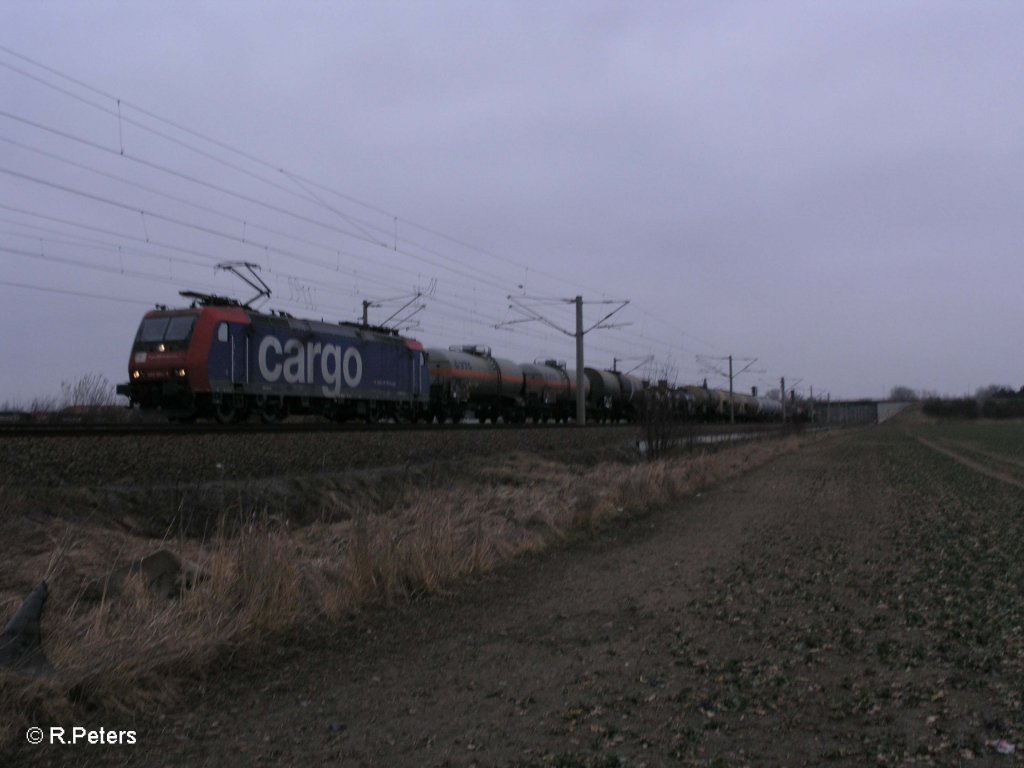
(253, 158)
(474, 275)
(460, 313)
(477, 275)
(68, 292)
(98, 146)
(244, 154)
(212, 260)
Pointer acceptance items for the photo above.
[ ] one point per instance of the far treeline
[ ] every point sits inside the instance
(991, 402)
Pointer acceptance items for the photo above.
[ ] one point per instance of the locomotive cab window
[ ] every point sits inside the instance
(222, 332)
(180, 328)
(165, 334)
(153, 329)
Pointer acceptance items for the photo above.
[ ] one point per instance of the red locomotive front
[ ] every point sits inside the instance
(169, 359)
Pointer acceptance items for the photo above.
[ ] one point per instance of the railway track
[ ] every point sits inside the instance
(73, 428)
(93, 429)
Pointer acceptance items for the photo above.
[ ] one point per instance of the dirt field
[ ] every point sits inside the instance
(857, 602)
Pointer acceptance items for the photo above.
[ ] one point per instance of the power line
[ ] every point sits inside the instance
(241, 153)
(66, 292)
(189, 178)
(409, 248)
(477, 275)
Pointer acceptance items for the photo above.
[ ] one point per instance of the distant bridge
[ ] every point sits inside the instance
(856, 411)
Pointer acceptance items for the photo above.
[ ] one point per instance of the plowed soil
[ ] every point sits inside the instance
(856, 603)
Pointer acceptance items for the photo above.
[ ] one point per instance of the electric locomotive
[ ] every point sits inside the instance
(222, 359)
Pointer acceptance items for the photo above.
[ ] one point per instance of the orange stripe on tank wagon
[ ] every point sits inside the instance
(548, 384)
(463, 374)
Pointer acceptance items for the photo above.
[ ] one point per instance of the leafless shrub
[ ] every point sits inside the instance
(91, 390)
(658, 417)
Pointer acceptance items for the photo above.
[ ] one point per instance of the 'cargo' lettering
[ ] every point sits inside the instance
(352, 356)
(297, 363)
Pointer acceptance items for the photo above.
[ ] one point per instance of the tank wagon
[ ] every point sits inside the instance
(697, 402)
(744, 406)
(613, 396)
(469, 378)
(768, 409)
(223, 360)
(550, 391)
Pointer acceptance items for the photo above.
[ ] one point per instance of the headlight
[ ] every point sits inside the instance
(182, 372)
(136, 375)
(161, 348)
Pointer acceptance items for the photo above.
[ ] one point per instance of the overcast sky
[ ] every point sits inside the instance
(831, 188)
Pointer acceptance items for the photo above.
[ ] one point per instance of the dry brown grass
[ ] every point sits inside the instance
(133, 651)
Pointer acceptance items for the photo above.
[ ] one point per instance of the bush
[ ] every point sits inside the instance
(1003, 408)
(92, 390)
(962, 408)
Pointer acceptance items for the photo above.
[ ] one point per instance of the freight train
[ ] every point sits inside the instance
(223, 360)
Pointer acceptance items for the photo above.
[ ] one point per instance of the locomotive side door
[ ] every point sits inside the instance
(220, 357)
(239, 354)
(229, 356)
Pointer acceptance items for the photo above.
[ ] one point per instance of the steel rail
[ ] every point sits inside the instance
(83, 428)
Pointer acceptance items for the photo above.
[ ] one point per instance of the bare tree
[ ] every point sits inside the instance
(901, 393)
(88, 391)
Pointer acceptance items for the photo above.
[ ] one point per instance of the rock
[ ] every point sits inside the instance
(21, 641)
(163, 572)
(167, 574)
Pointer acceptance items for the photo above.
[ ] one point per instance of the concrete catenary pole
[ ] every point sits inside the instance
(782, 391)
(732, 400)
(581, 400)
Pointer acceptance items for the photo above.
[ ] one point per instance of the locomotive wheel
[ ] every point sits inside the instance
(273, 413)
(225, 411)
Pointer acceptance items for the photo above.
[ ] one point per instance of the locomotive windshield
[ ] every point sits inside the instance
(153, 329)
(167, 328)
(180, 328)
